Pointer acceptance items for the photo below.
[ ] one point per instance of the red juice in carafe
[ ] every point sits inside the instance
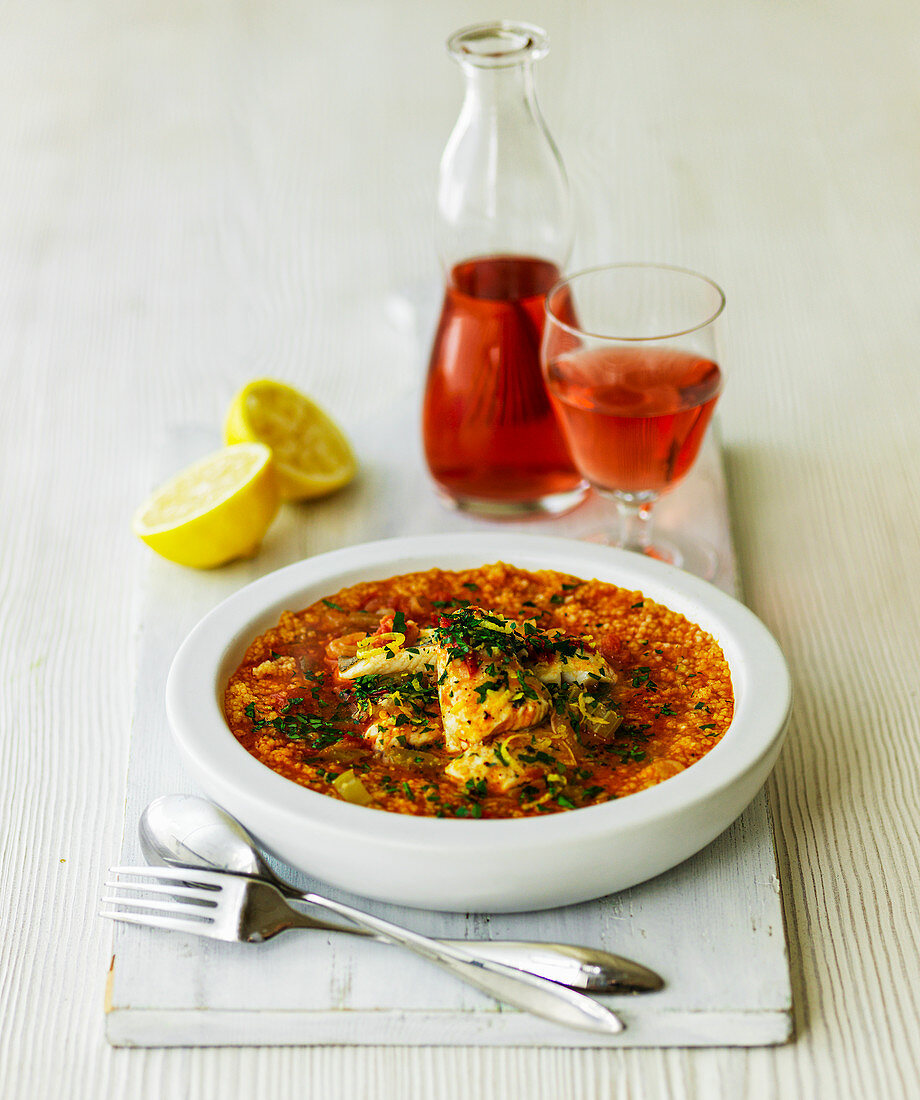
(490, 430)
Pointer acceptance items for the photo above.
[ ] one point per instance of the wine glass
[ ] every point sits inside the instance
(629, 359)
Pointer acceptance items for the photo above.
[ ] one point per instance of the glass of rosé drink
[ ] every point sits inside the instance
(629, 360)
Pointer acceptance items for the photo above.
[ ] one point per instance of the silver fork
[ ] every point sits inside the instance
(240, 908)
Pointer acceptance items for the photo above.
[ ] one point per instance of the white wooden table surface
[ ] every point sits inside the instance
(195, 193)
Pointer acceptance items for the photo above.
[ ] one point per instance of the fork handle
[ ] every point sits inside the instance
(525, 991)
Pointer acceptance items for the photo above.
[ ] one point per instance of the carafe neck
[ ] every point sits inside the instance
(501, 92)
(503, 188)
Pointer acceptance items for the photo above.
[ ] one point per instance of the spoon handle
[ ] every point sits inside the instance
(589, 968)
(525, 991)
(578, 967)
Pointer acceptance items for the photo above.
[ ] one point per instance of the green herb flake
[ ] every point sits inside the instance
(632, 755)
(476, 788)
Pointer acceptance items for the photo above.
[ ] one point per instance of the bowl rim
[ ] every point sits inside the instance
(760, 677)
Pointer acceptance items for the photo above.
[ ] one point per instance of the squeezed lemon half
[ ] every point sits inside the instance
(312, 456)
(215, 510)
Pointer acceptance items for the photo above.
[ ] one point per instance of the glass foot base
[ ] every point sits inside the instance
(554, 504)
(690, 554)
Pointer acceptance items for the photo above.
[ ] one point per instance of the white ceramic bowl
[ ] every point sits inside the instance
(487, 865)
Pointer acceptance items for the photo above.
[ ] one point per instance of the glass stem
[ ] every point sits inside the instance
(635, 525)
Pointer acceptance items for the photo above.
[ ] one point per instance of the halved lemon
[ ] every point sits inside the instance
(216, 510)
(312, 456)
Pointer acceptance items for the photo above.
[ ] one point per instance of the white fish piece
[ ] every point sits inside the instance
(579, 668)
(476, 706)
(499, 764)
(394, 722)
(391, 660)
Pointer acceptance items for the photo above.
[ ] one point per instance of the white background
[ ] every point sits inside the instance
(195, 193)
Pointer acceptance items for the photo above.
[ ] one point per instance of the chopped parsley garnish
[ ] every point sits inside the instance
(297, 727)
(641, 677)
(539, 758)
(368, 689)
(471, 630)
(631, 755)
(490, 685)
(524, 689)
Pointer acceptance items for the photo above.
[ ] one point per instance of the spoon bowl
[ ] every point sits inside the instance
(183, 830)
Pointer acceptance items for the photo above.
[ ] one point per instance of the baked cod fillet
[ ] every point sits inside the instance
(479, 703)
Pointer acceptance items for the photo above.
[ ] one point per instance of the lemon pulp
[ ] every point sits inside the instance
(311, 454)
(214, 511)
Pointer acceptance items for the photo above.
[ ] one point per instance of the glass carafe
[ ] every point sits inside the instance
(504, 229)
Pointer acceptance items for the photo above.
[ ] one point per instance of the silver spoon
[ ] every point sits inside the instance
(179, 830)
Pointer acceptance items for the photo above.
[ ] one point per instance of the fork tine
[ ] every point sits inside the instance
(206, 895)
(193, 912)
(172, 924)
(213, 880)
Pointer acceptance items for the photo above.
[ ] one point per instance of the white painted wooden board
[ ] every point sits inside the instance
(712, 927)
